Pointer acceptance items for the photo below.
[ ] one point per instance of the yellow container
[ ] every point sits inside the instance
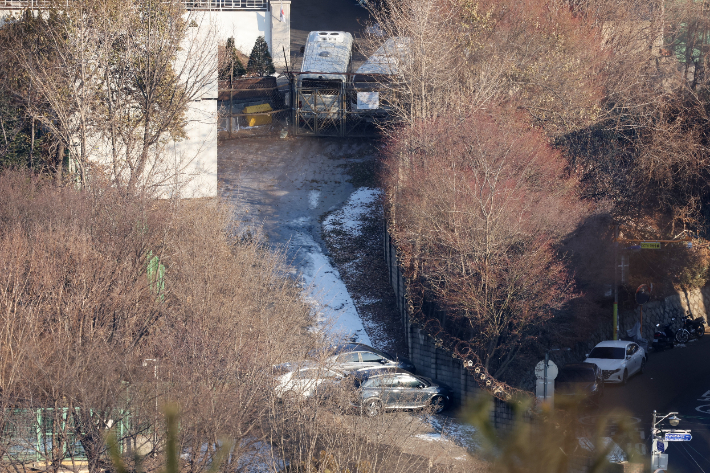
(256, 120)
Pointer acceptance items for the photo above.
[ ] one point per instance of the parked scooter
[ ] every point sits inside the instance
(663, 337)
(691, 328)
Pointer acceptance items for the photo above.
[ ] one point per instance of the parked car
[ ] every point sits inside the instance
(356, 356)
(303, 381)
(618, 359)
(388, 389)
(580, 379)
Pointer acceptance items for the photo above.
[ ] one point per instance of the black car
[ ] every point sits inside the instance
(388, 389)
(356, 356)
(584, 380)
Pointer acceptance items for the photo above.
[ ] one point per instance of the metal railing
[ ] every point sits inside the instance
(226, 5)
(211, 5)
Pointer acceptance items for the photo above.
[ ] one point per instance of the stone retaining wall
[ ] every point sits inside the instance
(693, 303)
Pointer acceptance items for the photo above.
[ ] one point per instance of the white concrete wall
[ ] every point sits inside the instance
(280, 33)
(189, 167)
(244, 26)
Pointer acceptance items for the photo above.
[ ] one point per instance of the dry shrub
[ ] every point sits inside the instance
(87, 330)
(464, 54)
(477, 210)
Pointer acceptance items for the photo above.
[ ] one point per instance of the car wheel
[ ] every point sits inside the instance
(438, 404)
(625, 378)
(372, 407)
(681, 336)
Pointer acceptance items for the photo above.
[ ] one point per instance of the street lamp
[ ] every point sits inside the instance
(661, 437)
(672, 419)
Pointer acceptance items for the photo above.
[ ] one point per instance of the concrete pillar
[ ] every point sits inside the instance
(281, 33)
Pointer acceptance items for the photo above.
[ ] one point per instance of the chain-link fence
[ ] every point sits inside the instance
(50, 435)
(329, 107)
(252, 106)
(267, 105)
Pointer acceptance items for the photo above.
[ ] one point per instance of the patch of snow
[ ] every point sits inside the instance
(430, 437)
(452, 429)
(313, 199)
(368, 300)
(335, 310)
(615, 455)
(259, 457)
(349, 218)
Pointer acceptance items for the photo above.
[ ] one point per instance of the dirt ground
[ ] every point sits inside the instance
(287, 188)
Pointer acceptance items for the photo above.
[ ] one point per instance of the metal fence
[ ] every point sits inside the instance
(252, 106)
(48, 434)
(218, 5)
(334, 108)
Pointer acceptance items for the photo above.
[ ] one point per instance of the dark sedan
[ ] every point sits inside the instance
(582, 380)
(388, 389)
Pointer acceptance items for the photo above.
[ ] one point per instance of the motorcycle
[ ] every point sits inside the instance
(663, 337)
(690, 327)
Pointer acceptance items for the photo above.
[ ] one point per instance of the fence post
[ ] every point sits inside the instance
(231, 107)
(39, 434)
(65, 411)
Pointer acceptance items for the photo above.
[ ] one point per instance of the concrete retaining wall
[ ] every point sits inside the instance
(431, 360)
(693, 303)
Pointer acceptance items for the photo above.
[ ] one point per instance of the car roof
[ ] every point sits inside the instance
(306, 364)
(370, 372)
(613, 343)
(579, 366)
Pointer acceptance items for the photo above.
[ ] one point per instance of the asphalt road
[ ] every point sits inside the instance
(676, 380)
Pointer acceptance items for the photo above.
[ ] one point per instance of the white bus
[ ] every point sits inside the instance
(326, 59)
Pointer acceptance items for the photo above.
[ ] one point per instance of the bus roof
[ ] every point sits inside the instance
(327, 52)
(387, 58)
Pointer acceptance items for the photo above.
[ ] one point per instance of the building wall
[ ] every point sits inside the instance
(189, 167)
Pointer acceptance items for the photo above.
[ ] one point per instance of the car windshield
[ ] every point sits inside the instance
(575, 376)
(609, 353)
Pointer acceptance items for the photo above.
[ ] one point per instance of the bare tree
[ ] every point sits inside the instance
(477, 210)
(114, 84)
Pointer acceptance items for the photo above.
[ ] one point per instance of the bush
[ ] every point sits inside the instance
(260, 61)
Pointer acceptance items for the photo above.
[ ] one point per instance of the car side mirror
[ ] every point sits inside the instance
(420, 386)
(586, 355)
(628, 357)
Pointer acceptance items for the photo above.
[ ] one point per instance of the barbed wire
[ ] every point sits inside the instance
(461, 349)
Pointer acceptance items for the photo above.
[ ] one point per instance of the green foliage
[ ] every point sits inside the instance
(260, 61)
(548, 440)
(232, 67)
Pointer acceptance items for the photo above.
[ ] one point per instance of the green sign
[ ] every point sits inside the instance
(650, 245)
(156, 275)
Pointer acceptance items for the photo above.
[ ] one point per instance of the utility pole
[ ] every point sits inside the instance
(615, 321)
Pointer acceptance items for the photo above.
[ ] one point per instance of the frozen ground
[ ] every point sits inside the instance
(286, 187)
(315, 199)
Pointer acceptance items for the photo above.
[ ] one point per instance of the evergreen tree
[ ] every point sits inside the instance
(260, 59)
(232, 67)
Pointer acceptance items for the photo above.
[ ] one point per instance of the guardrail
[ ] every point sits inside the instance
(210, 5)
